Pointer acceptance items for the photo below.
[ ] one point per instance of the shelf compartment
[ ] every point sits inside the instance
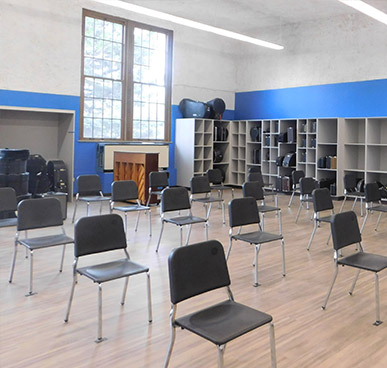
(354, 130)
(327, 130)
(198, 139)
(377, 130)
(354, 157)
(377, 158)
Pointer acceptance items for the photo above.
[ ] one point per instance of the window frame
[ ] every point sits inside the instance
(127, 78)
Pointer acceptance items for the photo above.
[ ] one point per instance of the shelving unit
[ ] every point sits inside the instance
(253, 148)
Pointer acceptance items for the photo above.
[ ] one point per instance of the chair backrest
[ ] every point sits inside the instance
(124, 190)
(345, 230)
(322, 199)
(175, 199)
(243, 211)
(158, 179)
(297, 175)
(349, 182)
(8, 200)
(372, 192)
(255, 176)
(39, 213)
(196, 269)
(96, 234)
(253, 189)
(214, 176)
(200, 184)
(89, 185)
(307, 185)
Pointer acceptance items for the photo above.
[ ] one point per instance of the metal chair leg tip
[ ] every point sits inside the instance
(322, 307)
(377, 323)
(100, 339)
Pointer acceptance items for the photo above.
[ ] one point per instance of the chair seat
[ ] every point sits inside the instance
(46, 241)
(220, 187)
(224, 322)
(112, 270)
(269, 192)
(8, 222)
(209, 199)
(265, 208)
(326, 218)
(355, 194)
(365, 261)
(257, 237)
(184, 220)
(134, 208)
(156, 192)
(379, 208)
(93, 199)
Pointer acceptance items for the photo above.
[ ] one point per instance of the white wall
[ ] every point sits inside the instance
(40, 51)
(340, 49)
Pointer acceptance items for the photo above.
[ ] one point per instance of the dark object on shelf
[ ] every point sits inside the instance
(291, 135)
(360, 185)
(283, 137)
(333, 162)
(303, 142)
(13, 161)
(286, 184)
(303, 127)
(326, 182)
(19, 182)
(278, 183)
(313, 142)
(58, 175)
(216, 107)
(303, 157)
(279, 160)
(220, 132)
(275, 140)
(332, 189)
(267, 157)
(39, 181)
(193, 109)
(255, 134)
(322, 162)
(256, 156)
(218, 155)
(267, 140)
(314, 126)
(289, 160)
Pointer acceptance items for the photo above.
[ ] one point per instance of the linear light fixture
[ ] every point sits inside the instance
(367, 9)
(188, 23)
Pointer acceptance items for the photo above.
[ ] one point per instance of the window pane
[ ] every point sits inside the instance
(152, 112)
(98, 49)
(89, 46)
(88, 128)
(137, 36)
(98, 88)
(160, 112)
(97, 128)
(160, 130)
(107, 68)
(145, 38)
(116, 70)
(116, 129)
(98, 28)
(98, 71)
(117, 109)
(117, 51)
(107, 50)
(137, 73)
(97, 111)
(108, 31)
(152, 134)
(89, 26)
(107, 109)
(144, 111)
(108, 89)
(88, 107)
(89, 87)
(117, 90)
(107, 128)
(136, 129)
(117, 32)
(136, 110)
(88, 66)
(137, 90)
(137, 55)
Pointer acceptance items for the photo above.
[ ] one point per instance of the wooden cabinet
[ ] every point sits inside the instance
(136, 166)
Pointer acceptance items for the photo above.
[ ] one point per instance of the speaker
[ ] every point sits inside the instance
(289, 160)
(256, 156)
(193, 109)
(283, 137)
(291, 135)
(255, 134)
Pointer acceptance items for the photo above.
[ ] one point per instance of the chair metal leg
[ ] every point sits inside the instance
(377, 223)
(125, 290)
(62, 259)
(263, 222)
(181, 235)
(280, 221)
(221, 356)
(100, 208)
(364, 222)
(148, 288)
(13, 262)
(99, 337)
(354, 203)
(354, 282)
(378, 321)
(75, 210)
(291, 199)
(272, 346)
(87, 209)
(189, 233)
(331, 287)
(299, 210)
(66, 319)
(257, 248)
(138, 217)
(126, 223)
(31, 273)
(229, 248)
(150, 223)
(312, 236)
(342, 205)
(361, 207)
(161, 233)
(206, 226)
(173, 337)
(283, 258)
(223, 211)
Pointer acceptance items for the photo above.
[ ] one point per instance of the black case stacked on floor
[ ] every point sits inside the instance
(58, 176)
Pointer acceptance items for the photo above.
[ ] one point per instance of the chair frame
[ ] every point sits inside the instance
(257, 176)
(77, 271)
(217, 248)
(372, 197)
(296, 177)
(39, 207)
(137, 207)
(160, 185)
(349, 194)
(8, 202)
(218, 185)
(304, 197)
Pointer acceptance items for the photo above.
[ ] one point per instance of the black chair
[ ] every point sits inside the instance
(307, 185)
(373, 200)
(296, 177)
(198, 269)
(201, 186)
(158, 180)
(99, 234)
(322, 201)
(177, 199)
(89, 191)
(254, 189)
(8, 206)
(345, 232)
(257, 176)
(216, 182)
(37, 214)
(127, 191)
(350, 191)
(244, 211)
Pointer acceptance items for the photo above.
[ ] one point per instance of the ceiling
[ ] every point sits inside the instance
(247, 16)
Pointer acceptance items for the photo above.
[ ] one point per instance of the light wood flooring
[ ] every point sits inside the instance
(33, 333)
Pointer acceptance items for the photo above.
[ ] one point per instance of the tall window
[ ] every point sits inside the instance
(126, 80)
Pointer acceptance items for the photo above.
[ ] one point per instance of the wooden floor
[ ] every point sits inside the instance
(33, 333)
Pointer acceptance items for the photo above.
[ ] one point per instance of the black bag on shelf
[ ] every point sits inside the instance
(220, 132)
(267, 140)
(313, 142)
(322, 162)
(291, 135)
(255, 134)
(332, 189)
(303, 157)
(193, 109)
(289, 160)
(279, 160)
(283, 137)
(218, 155)
(325, 182)
(278, 183)
(256, 156)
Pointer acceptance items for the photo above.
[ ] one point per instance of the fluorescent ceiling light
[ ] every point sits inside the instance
(188, 23)
(367, 9)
